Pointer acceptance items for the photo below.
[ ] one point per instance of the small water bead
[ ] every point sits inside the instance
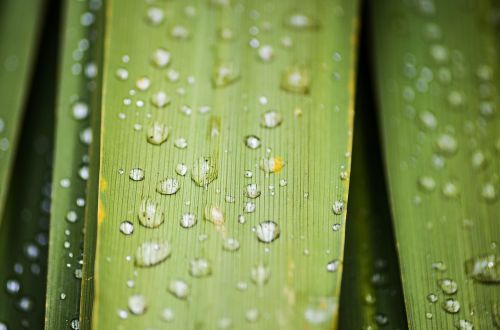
(484, 268)
(287, 42)
(338, 207)
(296, 79)
(155, 15)
(456, 98)
(136, 174)
(224, 323)
(168, 186)
(83, 172)
(160, 99)
(179, 32)
(75, 324)
(25, 304)
(167, 315)
(161, 57)
(200, 267)
(143, 83)
(252, 191)
(179, 289)
(252, 315)
(381, 319)
(149, 214)
(122, 314)
(448, 286)
(450, 190)
(204, 109)
(180, 143)
(226, 34)
(428, 120)
(439, 266)
(158, 133)
(333, 266)
(267, 231)
(224, 74)
(71, 216)
(249, 207)
(173, 75)
(465, 325)
(336, 227)
(271, 119)
(320, 310)
(181, 169)
(432, 298)
(13, 287)
(80, 110)
(489, 192)
(440, 53)
(252, 141)
(231, 244)
(301, 21)
(152, 252)
(451, 306)
(271, 164)
(78, 273)
(121, 74)
(484, 72)
(126, 227)
(137, 304)
(188, 220)
(214, 214)
(427, 183)
(428, 315)
(447, 144)
(487, 108)
(266, 53)
(478, 159)
(204, 171)
(260, 274)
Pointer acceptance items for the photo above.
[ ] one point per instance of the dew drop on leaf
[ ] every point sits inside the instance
(126, 227)
(149, 214)
(267, 231)
(296, 79)
(260, 274)
(136, 174)
(484, 268)
(137, 304)
(271, 119)
(157, 133)
(179, 289)
(152, 252)
(200, 267)
(168, 186)
(204, 171)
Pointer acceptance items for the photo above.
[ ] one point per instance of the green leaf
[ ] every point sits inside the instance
(18, 48)
(436, 67)
(24, 230)
(310, 131)
(77, 102)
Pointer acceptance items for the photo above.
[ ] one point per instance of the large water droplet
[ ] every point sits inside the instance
(271, 119)
(160, 99)
(465, 325)
(80, 110)
(168, 186)
(427, 183)
(448, 286)
(181, 169)
(447, 144)
(484, 268)
(267, 231)
(13, 287)
(136, 174)
(266, 53)
(451, 306)
(143, 83)
(127, 227)
(252, 141)
(152, 253)
(296, 79)
(137, 304)
(338, 207)
(149, 215)
(188, 220)
(251, 191)
(161, 57)
(333, 266)
(204, 171)
(224, 74)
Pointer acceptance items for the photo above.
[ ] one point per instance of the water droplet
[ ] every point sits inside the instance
(126, 227)
(448, 286)
(224, 323)
(439, 266)
(155, 15)
(266, 53)
(13, 287)
(149, 215)
(160, 99)
(320, 310)
(200, 267)
(231, 244)
(71, 216)
(179, 32)
(161, 57)
(137, 304)
(439, 53)
(158, 133)
(167, 315)
(260, 274)
(252, 141)
(181, 169)
(75, 324)
(271, 164)
(180, 143)
(381, 319)
(252, 315)
(251, 191)
(428, 120)
(80, 110)
(143, 83)
(188, 220)
(296, 79)
(484, 268)
(121, 74)
(301, 21)
(267, 231)
(338, 207)
(427, 183)
(136, 174)
(428, 315)
(451, 306)
(224, 74)
(336, 227)
(248, 174)
(447, 144)
(333, 266)
(465, 325)
(152, 253)
(122, 314)
(204, 171)
(179, 289)
(214, 214)
(450, 190)
(168, 186)
(456, 98)
(271, 119)
(489, 192)
(432, 298)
